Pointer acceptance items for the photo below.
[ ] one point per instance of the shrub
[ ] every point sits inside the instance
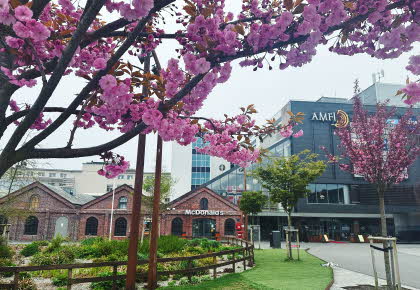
(91, 241)
(170, 244)
(171, 283)
(195, 279)
(64, 256)
(183, 281)
(55, 244)
(105, 285)
(30, 250)
(6, 263)
(60, 279)
(5, 251)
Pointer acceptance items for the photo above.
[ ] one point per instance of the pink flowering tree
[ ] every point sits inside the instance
(44, 41)
(381, 152)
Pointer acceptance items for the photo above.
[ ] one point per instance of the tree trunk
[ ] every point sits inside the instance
(289, 235)
(384, 233)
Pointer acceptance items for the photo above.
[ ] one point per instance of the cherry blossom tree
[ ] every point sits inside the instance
(380, 152)
(44, 41)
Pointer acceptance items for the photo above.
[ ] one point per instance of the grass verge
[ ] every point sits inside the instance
(273, 272)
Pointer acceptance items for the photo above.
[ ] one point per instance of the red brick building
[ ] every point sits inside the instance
(200, 213)
(39, 212)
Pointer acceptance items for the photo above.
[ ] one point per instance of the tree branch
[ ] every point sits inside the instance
(49, 88)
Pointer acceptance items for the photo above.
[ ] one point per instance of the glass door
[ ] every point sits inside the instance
(204, 228)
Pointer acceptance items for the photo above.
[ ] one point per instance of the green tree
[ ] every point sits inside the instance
(166, 184)
(287, 179)
(252, 202)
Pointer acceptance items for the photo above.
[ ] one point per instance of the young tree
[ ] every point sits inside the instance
(287, 180)
(251, 203)
(44, 41)
(379, 152)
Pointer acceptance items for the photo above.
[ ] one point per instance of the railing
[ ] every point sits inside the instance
(246, 250)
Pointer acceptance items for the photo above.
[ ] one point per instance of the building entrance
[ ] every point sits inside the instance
(204, 228)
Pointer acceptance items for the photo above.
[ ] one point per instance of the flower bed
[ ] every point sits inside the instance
(178, 258)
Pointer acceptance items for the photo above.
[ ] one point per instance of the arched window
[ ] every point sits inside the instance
(34, 202)
(120, 227)
(229, 227)
(91, 226)
(122, 202)
(3, 223)
(31, 226)
(204, 204)
(176, 227)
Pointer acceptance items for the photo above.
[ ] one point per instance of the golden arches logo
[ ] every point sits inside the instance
(342, 119)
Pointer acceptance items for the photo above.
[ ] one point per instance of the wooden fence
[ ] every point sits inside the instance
(246, 251)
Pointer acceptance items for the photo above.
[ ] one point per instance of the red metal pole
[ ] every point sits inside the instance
(135, 215)
(245, 214)
(152, 275)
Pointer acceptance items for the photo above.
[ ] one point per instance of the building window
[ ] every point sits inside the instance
(41, 174)
(177, 227)
(328, 193)
(204, 204)
(31, 226)
(222, 167)
(3, 223)
(120, 227)
(129, 177)
(91, 226)
(51, 183)
(200, 165)
(51, 174)
(229, 227)
(34, 202)
(109, 187)
(122, 202)
(63, 175)
(121, 176)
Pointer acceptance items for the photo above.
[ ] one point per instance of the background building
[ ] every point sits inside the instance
(85, 181)
(340, 204)
(190, 169)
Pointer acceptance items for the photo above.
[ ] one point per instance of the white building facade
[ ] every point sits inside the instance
(190, 169)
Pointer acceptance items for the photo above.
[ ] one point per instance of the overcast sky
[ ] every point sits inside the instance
(328, 75)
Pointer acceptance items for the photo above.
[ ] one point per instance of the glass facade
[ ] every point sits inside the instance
(329, 193)
(231, 183)
(200, 165)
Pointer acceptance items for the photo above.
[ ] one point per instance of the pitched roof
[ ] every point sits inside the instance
(78, 199)
(192, 193)
(106, 195)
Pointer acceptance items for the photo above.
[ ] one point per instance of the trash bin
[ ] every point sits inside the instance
(271, 239)
(276, 239)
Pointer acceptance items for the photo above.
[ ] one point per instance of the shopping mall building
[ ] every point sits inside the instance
(340, 205)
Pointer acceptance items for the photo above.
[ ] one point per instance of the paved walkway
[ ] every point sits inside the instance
(343, 278)
(356, 258)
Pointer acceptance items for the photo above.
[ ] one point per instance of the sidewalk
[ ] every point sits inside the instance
(343, 278)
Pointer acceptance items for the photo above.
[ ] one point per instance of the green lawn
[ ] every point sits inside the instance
(272, 272)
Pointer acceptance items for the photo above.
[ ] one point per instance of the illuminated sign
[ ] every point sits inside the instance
(340, 118)
(203, 212)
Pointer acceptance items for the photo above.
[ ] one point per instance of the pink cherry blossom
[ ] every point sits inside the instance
(23, 13)
(99, 63)
(298, 134)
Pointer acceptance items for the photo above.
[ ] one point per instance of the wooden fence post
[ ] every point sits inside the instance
(234, 268)
(16, 281)
(215, 267)
(69, 278)
(243, 256)
(189, 272)
(114, 275)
